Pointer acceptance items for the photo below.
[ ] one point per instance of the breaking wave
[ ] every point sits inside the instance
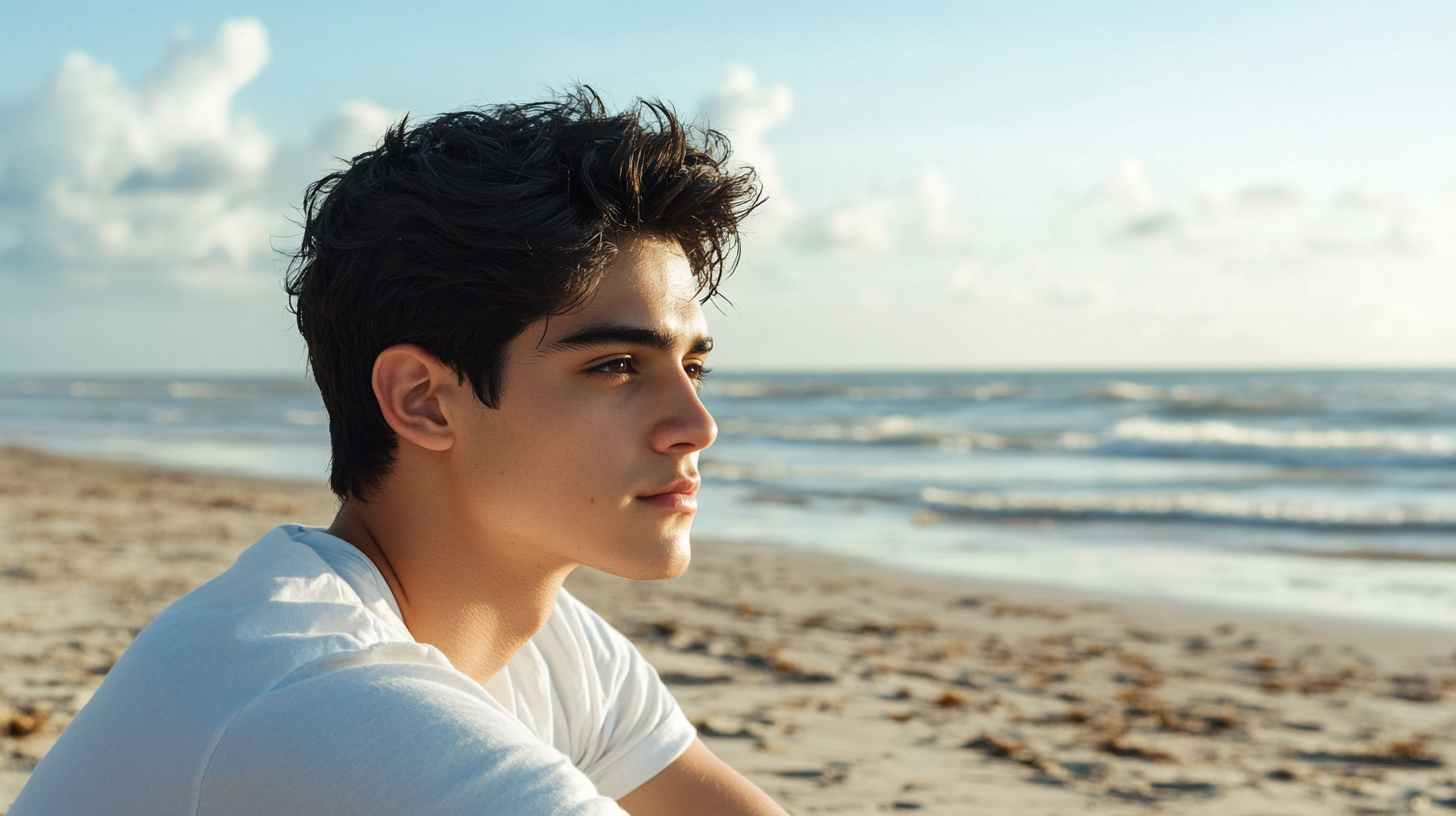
(1144, 435)
(1189, 507)
(1187, 399)
(1135, 436)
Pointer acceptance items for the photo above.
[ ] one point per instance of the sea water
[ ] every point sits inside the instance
(1327, 493)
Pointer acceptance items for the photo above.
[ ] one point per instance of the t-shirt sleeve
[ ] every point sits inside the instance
(637, 727)
(388, 739)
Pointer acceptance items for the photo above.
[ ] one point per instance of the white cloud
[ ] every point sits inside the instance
(1152, 224)
(932, 195)
(907, 216)
(873, 222)
(98, 176)
(859, 226)
(1267, 198)
(1363, 196)
(746, 112)
(1268, 224)
(965, 279)
(1125, 190)
(163, 181)
(357, 126)
(1075, 294)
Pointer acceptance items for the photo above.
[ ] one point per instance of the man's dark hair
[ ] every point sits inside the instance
(457, 233)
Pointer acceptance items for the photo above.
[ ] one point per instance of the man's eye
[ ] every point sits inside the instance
(698, 372)
(621, 365)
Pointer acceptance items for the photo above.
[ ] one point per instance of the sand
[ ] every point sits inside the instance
(837, 686)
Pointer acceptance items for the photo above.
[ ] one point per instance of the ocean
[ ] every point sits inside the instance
(1321, 493)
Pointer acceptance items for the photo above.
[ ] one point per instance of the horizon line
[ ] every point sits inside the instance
(790, 371)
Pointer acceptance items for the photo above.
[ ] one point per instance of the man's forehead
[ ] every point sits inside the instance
(648, 296)
(669, 313)
(645, 285)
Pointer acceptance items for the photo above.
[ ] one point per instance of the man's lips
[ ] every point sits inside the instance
(680, 496)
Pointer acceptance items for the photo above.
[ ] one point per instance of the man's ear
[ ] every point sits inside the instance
(413, 388)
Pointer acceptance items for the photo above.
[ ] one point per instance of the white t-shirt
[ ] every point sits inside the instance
(289, 684)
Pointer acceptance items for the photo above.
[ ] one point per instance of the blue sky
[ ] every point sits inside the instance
(969, 185)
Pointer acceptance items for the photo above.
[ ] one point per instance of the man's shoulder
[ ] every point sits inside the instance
(280, 598)
(280, 607)
(280, 613)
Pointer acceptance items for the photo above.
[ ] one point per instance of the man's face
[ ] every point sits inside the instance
(592, 456)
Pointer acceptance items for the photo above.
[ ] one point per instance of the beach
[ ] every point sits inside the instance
(839, 686)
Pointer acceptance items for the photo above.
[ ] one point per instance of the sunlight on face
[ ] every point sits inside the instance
(591, 457)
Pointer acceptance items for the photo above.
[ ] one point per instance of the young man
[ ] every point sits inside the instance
(503, 313)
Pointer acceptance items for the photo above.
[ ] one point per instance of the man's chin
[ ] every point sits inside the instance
(667, 558)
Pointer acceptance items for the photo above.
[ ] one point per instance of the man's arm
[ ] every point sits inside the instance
(699, 783)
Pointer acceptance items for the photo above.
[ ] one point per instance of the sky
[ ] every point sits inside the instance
(972, 185)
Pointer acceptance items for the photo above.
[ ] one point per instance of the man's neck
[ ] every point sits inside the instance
(475, 600)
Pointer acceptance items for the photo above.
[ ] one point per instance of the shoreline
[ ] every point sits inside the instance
(837, 684)
(1374, 632)
(1197, 607)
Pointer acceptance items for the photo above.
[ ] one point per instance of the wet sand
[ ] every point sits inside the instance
(838, 686)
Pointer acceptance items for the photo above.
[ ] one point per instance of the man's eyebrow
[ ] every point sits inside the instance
(616, 334)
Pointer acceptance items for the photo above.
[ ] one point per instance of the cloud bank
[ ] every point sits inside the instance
(163, 181)
(910, 216)
(744, 112)
(1272, 223)
(119, 201)
(875, 221)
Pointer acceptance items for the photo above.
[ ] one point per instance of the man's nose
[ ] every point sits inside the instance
(686, 426)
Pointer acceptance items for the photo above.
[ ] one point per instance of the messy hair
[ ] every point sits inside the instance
(456, 233)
